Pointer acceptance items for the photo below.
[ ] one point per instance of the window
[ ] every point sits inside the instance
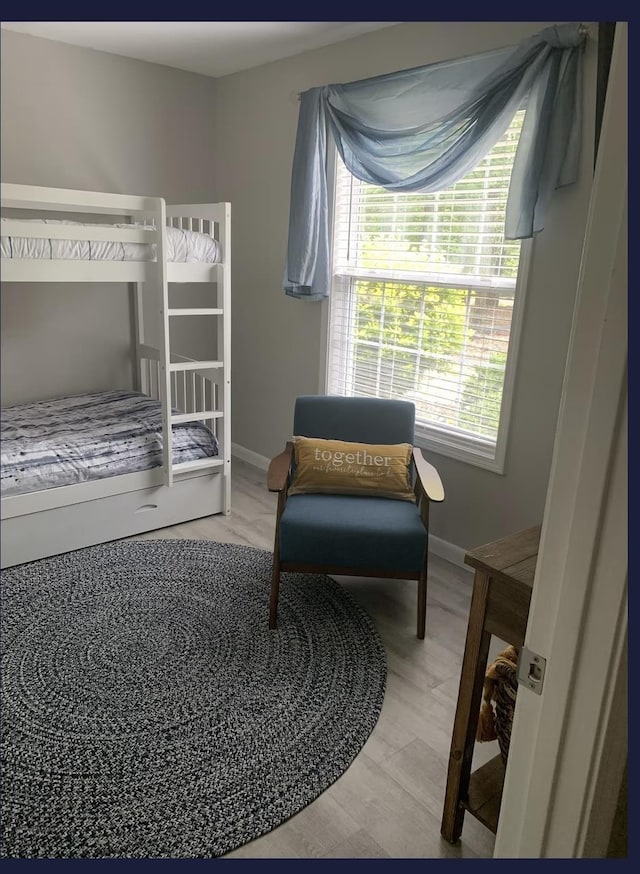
(425, 303)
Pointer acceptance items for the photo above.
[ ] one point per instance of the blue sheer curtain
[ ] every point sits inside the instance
(423, 129)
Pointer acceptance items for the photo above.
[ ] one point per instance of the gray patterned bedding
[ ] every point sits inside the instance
(90, 436)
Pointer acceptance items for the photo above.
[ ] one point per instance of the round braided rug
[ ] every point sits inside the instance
(148, 711)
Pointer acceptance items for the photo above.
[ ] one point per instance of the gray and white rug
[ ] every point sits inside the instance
(148, 711)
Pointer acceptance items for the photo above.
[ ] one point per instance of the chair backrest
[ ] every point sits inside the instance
(356, 420)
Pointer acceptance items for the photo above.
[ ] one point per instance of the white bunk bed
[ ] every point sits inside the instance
(55, 520)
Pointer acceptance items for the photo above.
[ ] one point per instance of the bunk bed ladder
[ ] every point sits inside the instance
(218, 406)
(165, 350)
(224, 348)
(190, 390)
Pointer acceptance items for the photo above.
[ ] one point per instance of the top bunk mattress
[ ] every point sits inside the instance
(84, 437)
(182, 246)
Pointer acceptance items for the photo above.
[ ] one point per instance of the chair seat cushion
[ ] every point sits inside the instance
(352, 532)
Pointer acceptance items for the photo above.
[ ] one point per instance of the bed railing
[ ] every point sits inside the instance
(207, 218)
(143, 212)
(35, 197)
(193, 391)
(94, 216)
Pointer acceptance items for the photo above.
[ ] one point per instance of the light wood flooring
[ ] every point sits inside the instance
(389, 801)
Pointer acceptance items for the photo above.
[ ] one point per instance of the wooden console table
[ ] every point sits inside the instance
(504, 572)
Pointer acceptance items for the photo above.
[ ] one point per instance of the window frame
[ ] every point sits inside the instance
(444, 441)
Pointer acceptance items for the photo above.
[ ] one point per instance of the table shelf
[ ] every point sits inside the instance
(503, 580)
(485, 793)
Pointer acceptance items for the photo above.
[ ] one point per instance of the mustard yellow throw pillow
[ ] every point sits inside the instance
(334, 467)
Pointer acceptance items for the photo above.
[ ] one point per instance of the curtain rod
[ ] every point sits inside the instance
(583, 30)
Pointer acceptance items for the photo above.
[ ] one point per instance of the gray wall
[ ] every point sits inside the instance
(277, 341)
(77, 118)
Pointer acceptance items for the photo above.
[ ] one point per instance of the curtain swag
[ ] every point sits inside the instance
(423, 129)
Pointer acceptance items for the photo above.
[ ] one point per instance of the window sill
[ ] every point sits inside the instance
(474, 452)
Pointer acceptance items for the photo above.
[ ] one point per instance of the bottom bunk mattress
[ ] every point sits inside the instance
(84, 437)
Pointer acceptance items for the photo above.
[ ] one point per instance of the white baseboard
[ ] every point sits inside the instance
(250, 456)
(449, 551)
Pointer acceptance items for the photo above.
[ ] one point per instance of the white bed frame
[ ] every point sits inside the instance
(52, 521)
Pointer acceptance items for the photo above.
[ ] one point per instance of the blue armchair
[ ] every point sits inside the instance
(347, 534)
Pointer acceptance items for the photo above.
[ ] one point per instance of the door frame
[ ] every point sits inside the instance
(569, 745)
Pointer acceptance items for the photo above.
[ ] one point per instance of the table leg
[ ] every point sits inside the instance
(474, 665)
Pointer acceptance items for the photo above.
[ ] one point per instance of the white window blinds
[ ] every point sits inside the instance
(423, 296)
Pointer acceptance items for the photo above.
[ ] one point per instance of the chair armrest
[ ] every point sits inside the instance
(279, 467)
(428, 476)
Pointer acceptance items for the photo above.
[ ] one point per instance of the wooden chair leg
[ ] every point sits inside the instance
(422, 601)
(422, 582)
(275, 570)
(275, 589)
